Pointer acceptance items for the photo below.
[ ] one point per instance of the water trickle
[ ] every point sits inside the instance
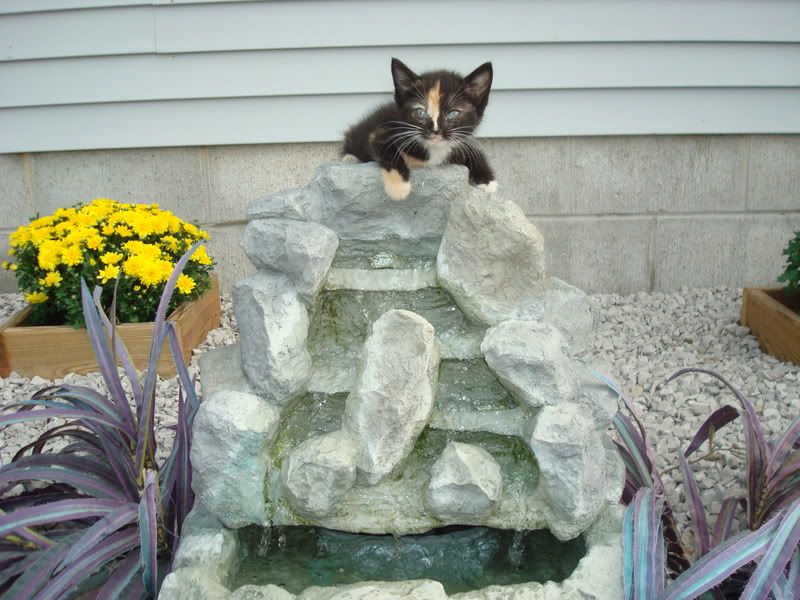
(461, 558)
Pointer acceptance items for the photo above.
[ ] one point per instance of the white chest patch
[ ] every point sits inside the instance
(437, 153)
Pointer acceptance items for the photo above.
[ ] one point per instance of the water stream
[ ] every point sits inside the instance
(461, 558)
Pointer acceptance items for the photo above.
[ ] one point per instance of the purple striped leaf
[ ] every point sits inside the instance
(84, 463)
(718, 419)
(123, 575)
(148, 532)
(145, 445)
(641, 554)
(37, 570)
(110, 523)
(696, 510)
(783, 448)
(80, 481)
(61, 413)
(786, 475)
(120, 349)
(755, 442)
(31, 536)
(111, 548)
(721, 562)
(793, 578)
(778, 554)
(102, 352)
(66, 430)
(724, 523)
(53, 512)
(87, 399)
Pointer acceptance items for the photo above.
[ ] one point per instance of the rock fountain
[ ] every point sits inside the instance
(403, 367)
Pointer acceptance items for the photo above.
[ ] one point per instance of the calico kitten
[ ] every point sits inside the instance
(430, 123)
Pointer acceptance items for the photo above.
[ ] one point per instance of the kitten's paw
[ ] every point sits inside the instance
(490, 187)
(395, 186)
(349, 158)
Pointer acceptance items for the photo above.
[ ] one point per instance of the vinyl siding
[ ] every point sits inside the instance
(86, 74)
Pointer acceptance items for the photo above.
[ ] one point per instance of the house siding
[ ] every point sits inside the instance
(85, 74)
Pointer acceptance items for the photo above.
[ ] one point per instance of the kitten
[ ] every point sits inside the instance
(430, 123)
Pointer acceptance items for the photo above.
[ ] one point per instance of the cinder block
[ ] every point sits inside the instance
(225, 249)
(659, 174)
(172, 177)
(598, 254)
(714, 251)
(240, 174)
(774, 173)
(532, 172)
(15, 199)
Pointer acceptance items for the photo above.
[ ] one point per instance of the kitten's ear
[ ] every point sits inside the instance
(405, 81)
(477, 85)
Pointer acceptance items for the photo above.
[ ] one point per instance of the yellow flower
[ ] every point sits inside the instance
(94, 242)
(185, 284)
(51, 279)
(201, 256)
(108, 229)
(111, 258)
(35, 297)
(12, 267)
(41, 235)
(150, 251)
(21, 236)
(107, 273)
(72, 255)
(49, 254)
(170, 242)
(123, 231)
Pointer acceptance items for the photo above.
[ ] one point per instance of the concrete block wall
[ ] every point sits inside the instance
(619, 214)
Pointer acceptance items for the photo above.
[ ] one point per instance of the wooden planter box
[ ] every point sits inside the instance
(773, 319)
(53, 351)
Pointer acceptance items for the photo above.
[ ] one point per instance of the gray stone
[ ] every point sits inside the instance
(356, 206)
(529, 360)
(572, 464)
(221, 369)
(301, 203)
(261, 592)
(568, 309)
(191, 583)
(302, 251)
(392, 399)
(232, 433)
(466, 482)
(273, 328)
(319, 472)
(422, 589)
(492, 261)
(214, 549)
(600, 402)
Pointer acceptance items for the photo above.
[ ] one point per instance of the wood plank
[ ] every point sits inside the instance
(774, 320)
(148, 77)
(341, 23)
(324, 118)
(53, 351)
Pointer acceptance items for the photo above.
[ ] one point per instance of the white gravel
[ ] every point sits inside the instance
(644, 338)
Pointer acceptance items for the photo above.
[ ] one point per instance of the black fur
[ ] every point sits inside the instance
(396, 129)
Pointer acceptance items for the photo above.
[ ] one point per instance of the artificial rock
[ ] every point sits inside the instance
(392, 399)
(303, 251)
(491, 260)
(529, 359)
(319, 472)
(466, 483)
(232, 433)
(273, 329)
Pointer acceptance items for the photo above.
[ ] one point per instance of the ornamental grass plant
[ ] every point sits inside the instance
(130, 248)
(98, 513)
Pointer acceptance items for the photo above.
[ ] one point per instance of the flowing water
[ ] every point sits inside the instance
(462, 559)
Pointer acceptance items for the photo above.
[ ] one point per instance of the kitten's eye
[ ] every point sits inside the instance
(452, 114)
(421, 114)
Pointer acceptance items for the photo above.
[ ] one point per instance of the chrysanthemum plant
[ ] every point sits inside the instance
(103, 513)
(759, 563)
(130, 247)
(791, 274)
